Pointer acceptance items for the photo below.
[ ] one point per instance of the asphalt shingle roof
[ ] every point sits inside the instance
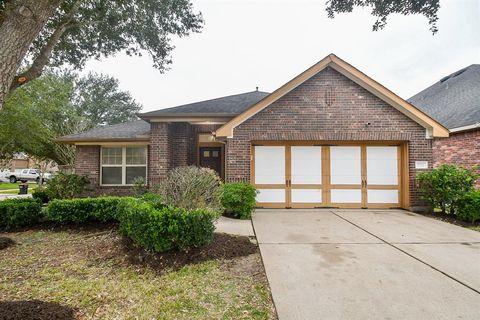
(454, 101)
(128, 130)
(226, 106)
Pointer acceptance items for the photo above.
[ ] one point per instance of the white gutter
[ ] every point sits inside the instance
(469, 127)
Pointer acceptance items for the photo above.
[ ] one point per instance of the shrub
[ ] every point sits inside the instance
(168, 228)
(192, 188)
(101, 209)
(41, 194)
(154, 199)
(19, 213)
(139, 186)
(238, 199)
(469, 208)
(66, 186)
(444, 186)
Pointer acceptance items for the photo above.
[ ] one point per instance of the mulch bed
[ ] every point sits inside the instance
(451, 219)
(6, 242)
(34, 310)
(223, 247)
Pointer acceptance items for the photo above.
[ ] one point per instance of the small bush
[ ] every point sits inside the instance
(154, 199)
(168, 228)
(19, 213)
(139, 186)
(469, 208)
(66, 186)
(101, 209)
(238, 199)
(446, 185)
(192, 188)
(41, 194)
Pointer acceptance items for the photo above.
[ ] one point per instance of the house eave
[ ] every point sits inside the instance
(98, 141)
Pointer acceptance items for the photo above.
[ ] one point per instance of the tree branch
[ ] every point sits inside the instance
(43, 58)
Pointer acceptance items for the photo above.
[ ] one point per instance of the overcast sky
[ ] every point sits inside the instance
(245, 44)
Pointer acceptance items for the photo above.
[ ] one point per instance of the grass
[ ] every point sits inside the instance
(89, 272)
(12, 188)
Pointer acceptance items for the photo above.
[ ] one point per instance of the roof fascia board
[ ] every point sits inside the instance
(219, 120)
(100, 141)
(465, 128)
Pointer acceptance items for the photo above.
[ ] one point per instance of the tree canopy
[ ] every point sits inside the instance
(38, 33)
(383, 8)
(58, 104)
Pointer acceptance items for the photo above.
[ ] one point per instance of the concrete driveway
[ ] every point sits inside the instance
(368, 264)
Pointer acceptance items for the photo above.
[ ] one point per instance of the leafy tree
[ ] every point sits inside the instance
(57, 32)
(35, 115)
(99, 100)
(383, 8)
(55, 105)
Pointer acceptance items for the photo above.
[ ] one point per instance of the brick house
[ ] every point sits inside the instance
(454, 101)
(330, 137)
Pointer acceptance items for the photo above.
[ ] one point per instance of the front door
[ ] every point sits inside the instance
(211, 157)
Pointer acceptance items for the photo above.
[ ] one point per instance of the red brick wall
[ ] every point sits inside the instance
(87, 163)
(328, 106)
(462, 149)
(159, 152)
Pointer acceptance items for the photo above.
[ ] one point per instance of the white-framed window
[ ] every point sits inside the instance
(121, 165)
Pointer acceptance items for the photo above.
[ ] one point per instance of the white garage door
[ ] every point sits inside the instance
(327, 176)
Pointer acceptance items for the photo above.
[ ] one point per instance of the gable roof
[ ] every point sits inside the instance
(454, 100)
(136, 130)
(433, 128)
(228, 106)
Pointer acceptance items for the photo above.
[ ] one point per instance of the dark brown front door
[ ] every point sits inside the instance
(211, 157)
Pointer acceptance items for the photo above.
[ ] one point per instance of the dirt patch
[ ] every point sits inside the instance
(223, 247)
(451, 219)
(34, 310)
(6, 242)
(88, 227)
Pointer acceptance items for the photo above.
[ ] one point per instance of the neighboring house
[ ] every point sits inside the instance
(454, 101)
(330, 137)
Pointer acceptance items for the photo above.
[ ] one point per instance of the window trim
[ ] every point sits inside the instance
(124, 164)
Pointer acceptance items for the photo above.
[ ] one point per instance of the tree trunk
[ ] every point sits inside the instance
(21, 22)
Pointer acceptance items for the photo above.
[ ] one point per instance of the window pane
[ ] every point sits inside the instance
(206, 154)
(215, 154)
(136, 172)
(136, 155)
(112, 156)
(112, 175)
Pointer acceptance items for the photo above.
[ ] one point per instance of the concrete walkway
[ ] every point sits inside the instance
(235, 227)
(368, 264)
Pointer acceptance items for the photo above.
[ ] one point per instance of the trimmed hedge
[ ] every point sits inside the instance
(19, 213)
(469, 208)
(238, 199)
(166, 228)
(102, 209)
(41, 194)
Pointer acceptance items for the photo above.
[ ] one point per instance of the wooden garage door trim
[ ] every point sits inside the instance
(403, 171)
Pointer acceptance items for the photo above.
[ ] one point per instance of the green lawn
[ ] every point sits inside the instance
(89, 272)
(12, 188)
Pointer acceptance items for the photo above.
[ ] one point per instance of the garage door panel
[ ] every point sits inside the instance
(306, 164)
(269, 165)
(345, 165)
(307, 196)
(382, 196)
(346, 196)
(271, 195)
(382, 165)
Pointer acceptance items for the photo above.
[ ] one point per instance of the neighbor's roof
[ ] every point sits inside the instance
(133, 130)
(454, 101)
(228, 106)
